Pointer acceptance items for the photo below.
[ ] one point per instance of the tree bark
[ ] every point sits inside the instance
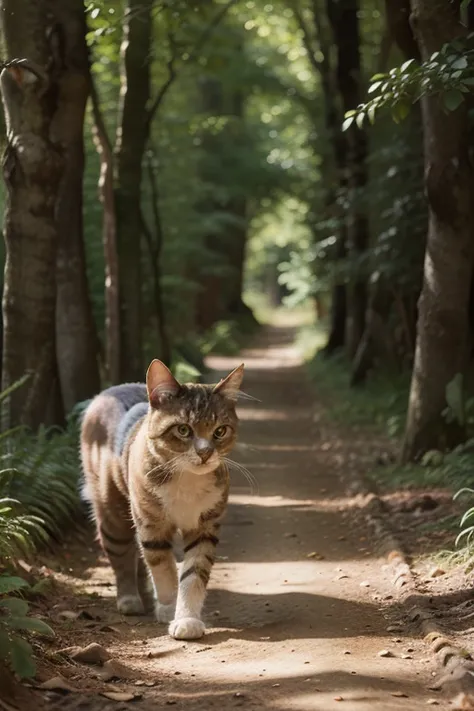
(398, 21)
(109, 241)
(130, 147)
(335, 164)
(344, 21)
(32, 169)
(443, 334)
(77, 342)
(155, 241)
(379, 299)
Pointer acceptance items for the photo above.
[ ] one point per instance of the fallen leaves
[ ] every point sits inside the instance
(436, 572)
(91, 654)
(57, 683)
(113, 669)
(120, 696)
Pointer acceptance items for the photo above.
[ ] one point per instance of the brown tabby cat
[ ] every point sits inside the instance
(154, 464)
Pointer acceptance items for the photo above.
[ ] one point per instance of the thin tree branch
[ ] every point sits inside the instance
(172, 74)
(307, 40)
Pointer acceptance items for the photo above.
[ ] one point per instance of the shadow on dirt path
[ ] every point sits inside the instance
(299, 607)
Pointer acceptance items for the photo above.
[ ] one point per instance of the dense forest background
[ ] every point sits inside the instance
(167, 165)
(214, 134)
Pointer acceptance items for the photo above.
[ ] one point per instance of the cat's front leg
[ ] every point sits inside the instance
(199, 554)
(156, 544)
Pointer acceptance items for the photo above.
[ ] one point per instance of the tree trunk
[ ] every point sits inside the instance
(131, 142)
(398, 20)
(344, 21)
(443, 340)
(33, 168)
(379, 299)
(76, 336)
(221, 296)
(155, 241)
(109, 241)
(335, 165)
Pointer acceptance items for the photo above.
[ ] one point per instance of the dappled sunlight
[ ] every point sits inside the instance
(254, 414)
(278, 501)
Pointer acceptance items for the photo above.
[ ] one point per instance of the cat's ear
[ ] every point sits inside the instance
(229, 386)
(160, 383)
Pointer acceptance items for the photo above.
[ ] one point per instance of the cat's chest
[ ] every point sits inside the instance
(187, 498)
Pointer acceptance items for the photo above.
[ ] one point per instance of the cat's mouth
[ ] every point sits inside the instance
(201, 468)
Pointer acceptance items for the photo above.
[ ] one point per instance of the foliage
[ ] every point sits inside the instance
(448, 74)
(15, 623)
(39, 488)
(381, 404)
(38, 502)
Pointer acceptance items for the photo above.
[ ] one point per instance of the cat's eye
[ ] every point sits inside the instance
(184, 430)
(220, 432)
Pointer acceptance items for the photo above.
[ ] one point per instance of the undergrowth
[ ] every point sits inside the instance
(381, 405)
(39, 503)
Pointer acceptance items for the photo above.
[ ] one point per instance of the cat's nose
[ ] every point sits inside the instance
(204, 449)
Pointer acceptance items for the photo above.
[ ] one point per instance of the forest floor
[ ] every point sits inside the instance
(302, 614)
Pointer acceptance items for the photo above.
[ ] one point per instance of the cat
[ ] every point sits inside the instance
(154, 461)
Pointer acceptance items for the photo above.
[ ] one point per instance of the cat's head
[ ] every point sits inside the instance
(191, 427)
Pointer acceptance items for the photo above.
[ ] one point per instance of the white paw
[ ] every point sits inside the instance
(186, 628)
(130, 605)
(164, 613)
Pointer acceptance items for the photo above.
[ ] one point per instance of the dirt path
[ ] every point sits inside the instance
(299, 606)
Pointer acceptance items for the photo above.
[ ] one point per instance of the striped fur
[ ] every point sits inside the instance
(152, 460)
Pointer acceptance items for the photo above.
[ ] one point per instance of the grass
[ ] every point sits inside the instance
(381, 403)
(380, 406)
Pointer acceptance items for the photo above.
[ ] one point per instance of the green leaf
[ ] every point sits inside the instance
(347, 123)
(21, 658)
(10, 583)
(407, 64)
(460, 63)
(31, 624)
(371, 112)
(14, 606)
(400, 111)
(453, 99)
(374, 87)
(376, 77)
(468, 81)
(360, 119)
(5, 644)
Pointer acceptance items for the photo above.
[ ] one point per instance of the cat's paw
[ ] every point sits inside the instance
(164, 613)
(186, 628)
(130, 605)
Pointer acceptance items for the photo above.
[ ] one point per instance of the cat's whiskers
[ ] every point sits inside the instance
(254, 486)
(166, 467)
